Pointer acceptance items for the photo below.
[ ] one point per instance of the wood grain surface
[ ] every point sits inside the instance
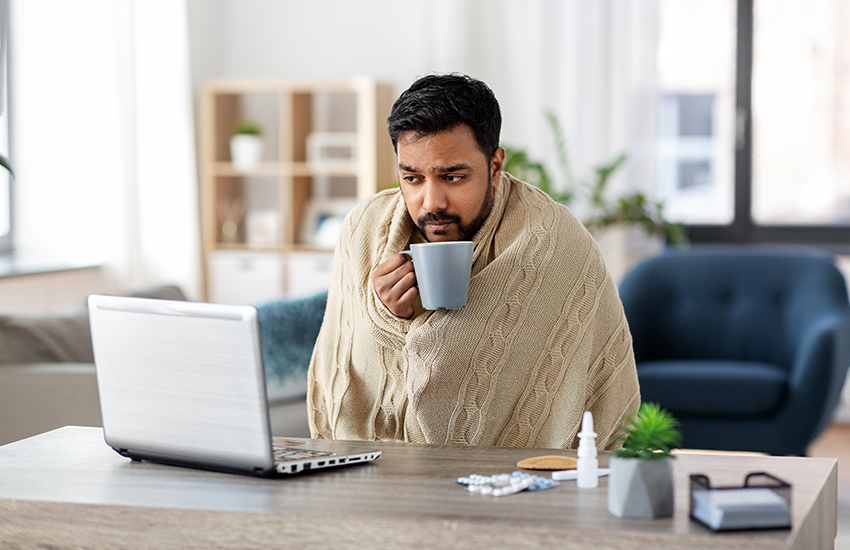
(67, 489)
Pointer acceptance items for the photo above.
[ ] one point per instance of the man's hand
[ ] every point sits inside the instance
(394, 282)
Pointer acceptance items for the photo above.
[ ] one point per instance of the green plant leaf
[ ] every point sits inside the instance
(633, 208)
(649, 434)
(563, 152)
(603, 175)
(248, 127)
(519, 165)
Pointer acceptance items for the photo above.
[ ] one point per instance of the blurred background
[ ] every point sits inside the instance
(735, 114)
(115, 116)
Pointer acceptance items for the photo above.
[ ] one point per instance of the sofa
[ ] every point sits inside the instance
(48, 379)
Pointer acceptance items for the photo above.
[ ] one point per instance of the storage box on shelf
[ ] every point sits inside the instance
(269, 229)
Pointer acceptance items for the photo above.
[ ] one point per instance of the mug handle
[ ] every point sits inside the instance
(409, 253)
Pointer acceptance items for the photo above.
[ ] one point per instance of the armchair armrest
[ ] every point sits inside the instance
(819, 369)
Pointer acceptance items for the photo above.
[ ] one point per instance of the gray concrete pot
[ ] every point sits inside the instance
(640, 489)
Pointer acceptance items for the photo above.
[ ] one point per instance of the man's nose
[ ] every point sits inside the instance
(435, 199)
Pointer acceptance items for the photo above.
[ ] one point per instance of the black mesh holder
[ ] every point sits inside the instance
(736, 500)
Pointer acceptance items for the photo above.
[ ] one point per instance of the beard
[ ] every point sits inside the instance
(465, 231)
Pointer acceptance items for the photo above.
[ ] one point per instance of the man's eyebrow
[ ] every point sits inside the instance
(455, 168)
(440, 169)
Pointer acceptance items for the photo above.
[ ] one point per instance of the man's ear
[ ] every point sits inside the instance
(496, 164)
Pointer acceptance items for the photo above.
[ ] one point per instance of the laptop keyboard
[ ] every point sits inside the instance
(294, 453)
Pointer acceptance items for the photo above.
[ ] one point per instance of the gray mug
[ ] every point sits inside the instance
(442, 272)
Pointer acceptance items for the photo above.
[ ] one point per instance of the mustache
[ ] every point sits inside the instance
(442, 217)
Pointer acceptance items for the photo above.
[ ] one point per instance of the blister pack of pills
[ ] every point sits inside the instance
(500, 485)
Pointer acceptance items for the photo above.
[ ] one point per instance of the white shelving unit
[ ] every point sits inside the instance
(269, 231)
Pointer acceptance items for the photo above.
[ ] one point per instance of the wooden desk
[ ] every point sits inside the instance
(66, 488)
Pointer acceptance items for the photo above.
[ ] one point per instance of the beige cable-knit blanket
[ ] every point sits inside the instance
(542, 338)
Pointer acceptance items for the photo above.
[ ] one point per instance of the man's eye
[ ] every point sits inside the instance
(410, 179)
(453, 178)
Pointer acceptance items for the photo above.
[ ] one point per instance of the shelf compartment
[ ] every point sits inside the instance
(248, 212)
(231, 109)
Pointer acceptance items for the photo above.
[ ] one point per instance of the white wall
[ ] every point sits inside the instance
(535, 54)
(291, 38)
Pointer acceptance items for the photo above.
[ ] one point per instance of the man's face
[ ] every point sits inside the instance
(447, 182)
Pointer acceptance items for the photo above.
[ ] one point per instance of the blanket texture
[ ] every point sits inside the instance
(288, 331)
(542, 338)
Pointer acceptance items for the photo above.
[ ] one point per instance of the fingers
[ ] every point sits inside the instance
(394, 281)
(393, 268)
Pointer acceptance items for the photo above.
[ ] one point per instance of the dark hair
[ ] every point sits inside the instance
(435, 103)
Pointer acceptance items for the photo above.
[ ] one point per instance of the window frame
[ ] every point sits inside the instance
(744, 229)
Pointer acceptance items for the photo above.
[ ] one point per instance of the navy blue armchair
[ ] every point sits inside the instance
(748, 347)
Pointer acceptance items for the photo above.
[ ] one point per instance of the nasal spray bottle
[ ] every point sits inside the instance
(587, 464)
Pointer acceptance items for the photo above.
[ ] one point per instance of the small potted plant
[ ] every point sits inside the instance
(246, 145)
(640, 483)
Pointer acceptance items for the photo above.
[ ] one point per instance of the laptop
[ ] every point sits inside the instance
(183, 383)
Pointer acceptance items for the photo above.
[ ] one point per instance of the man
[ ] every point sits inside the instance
(543, 336)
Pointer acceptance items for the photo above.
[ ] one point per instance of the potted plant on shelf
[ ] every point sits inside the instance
(246, 145)
(640, 483)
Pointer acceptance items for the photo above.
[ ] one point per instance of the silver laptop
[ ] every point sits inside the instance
(183, 383)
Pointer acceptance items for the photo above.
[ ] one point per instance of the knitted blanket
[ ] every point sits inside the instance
(542, 338)
(289, 328)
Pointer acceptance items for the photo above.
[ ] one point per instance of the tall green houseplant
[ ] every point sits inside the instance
(630, 208)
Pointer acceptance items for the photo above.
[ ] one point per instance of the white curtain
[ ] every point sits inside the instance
(586, 60)
(103, 138)
(591, 62)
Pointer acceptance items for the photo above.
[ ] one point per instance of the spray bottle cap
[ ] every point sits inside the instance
(587, 438)
(587, 425)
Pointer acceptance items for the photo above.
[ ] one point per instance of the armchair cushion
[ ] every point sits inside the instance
(714, 388)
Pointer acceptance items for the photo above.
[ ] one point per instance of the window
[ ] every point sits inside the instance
(696, 106)
(801, 112)
(686, 128)
(753, 135)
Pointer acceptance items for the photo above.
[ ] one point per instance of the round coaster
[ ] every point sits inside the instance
(548, 462)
